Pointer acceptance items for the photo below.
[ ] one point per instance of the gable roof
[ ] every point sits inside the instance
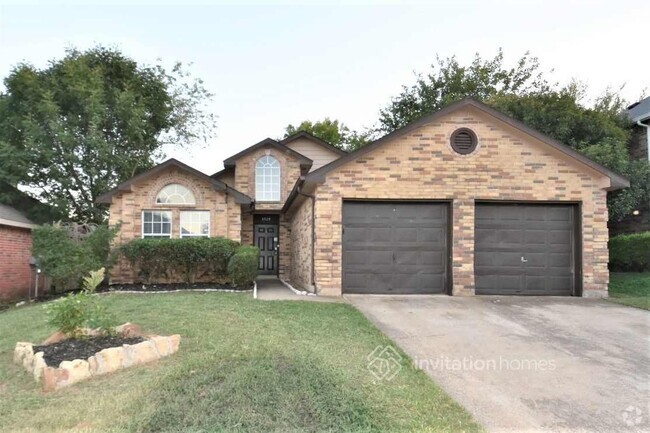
(10, 216)
(305, 162)
(639, 111)
(617, 181)
(217, 184)
(313, 138)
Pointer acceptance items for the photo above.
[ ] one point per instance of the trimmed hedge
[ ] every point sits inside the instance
(242, 267)
(630, 252)
(188, 259)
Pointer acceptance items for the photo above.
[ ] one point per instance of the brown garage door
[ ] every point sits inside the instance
(394, 248)
(523, 249)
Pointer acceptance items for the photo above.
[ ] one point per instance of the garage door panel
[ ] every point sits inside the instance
(404, 243)
(540, 261)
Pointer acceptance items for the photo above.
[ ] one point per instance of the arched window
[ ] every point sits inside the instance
(267, 179)
(175, 194)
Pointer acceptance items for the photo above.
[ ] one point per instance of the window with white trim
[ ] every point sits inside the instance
(175, 194)
(195, 223)
(267, 179)
(156, 224)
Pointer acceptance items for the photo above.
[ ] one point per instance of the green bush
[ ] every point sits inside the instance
(65, 259)
(242, 267)
(157, 260)
(630, 252)
(81, 310)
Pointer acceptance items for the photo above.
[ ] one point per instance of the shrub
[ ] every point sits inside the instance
(242, 267)
(76, 311)
(630, 252)
(190, 258)
(65, 259)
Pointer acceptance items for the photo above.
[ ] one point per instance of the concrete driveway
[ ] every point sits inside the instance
(528, 364)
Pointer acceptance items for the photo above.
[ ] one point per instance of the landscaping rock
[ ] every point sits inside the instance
(107, 361)
(103, 362)
(57, 337)
(39, 366)
(78, 370)
(21, 350)
(163, 345)
(175, 341)
(129, 330)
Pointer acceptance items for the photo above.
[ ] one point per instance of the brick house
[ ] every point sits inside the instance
(464, 201)
(16, 276)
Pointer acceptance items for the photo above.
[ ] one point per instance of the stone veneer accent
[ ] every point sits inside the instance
(103, 362)
(507, 165)
(127, 207)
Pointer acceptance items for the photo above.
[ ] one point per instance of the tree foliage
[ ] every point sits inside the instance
(73, 130)
(449, 81)
(333, 132)
(598, 129)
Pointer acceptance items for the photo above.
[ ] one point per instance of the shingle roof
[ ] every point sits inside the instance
(639, 111)
(12, 217)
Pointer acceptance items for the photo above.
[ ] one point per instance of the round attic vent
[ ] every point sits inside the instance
(463, 141)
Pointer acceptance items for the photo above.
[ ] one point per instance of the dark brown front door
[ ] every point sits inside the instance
(395, 247)
(525, 249)
(267, 240)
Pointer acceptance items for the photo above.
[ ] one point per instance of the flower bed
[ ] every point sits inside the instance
(107, 354)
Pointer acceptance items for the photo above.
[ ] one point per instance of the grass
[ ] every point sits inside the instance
(244, 365)
(630, 288)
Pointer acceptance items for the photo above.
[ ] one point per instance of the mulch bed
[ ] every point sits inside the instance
(82, 348)
(174, 286)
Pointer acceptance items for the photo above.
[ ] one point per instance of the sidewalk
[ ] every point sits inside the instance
(270, 288)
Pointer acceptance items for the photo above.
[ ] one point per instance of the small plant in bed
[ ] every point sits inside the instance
(166, 287)
(76, 312)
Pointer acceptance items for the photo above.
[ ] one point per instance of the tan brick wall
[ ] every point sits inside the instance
(507, 165)
(127, 207)
(245, 176)
(301, 241)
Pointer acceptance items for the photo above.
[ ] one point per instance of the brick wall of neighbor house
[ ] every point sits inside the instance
(15, 273)
(508, 165)
(245, 176)
(300, 275)
(127, 207)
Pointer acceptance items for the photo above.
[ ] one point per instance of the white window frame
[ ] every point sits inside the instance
(180, 223)
(188, 196)
(157, 235)
(264, 172)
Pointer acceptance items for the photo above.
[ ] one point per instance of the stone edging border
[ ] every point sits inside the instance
(296, 291)
(103, 362)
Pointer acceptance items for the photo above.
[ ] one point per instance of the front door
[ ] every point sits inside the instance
(267, 240)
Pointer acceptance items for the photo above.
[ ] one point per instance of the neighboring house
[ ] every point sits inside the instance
(639, 114)
(463, 201)
(16, 275)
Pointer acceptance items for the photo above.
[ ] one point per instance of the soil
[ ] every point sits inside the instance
(81, 348)
(174, 286)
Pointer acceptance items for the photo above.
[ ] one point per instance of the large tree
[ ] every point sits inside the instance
(597, 129)
(86, 122)
(331, 131)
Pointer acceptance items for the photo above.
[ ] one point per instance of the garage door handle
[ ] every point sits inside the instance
(523, 260)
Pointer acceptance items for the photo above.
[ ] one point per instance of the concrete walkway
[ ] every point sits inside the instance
(528, 364)
(270, 288)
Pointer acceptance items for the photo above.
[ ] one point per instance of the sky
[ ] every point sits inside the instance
(270, 65)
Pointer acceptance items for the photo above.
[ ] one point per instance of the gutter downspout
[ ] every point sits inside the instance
(647, 136)
(313, 237)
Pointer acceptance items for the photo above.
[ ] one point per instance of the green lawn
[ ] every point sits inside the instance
(630, 288)
(243, 365)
